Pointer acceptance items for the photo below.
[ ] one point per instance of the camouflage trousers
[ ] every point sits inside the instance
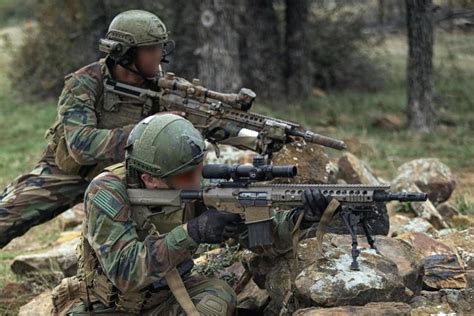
(212, 297)
(37, 197)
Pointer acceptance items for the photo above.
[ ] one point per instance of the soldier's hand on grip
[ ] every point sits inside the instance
(213, 226)
(314, 204)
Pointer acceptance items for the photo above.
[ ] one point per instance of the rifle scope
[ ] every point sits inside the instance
(259, 171)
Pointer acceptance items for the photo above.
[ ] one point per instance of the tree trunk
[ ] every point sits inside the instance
(218, 54)
(260, 49)
(183, 17)
(298, 72)
(421, 113)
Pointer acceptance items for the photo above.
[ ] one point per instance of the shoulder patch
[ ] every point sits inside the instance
(108, 203)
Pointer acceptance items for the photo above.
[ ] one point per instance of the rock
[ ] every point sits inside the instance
(278, 280)
(252, 298)
(443, 309)
(73, 217)
(431, 176)
(447, 210)
(228, 155)
(463, 242)
(388, 122)
(40, 305)
(445, 300)
(381, 308)
(401, 253)
(353, 171)
(332, 170)
(445, 231)
(442, 264)
(424, 209)
(395, 273)
(358, 147)
(310, 159)
(470, 278)
(60, 259)
(329, 281)
(426, 245)
(443, 272)
(398, 221)
(417, 224)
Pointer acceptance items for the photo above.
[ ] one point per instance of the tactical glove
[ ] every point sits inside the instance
(213, 226)
(314, 204)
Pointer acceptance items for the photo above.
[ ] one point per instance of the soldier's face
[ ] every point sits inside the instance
(190, 180)
(148, 59)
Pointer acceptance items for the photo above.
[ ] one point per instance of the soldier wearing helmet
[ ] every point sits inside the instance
(92, 125)
(127, 252)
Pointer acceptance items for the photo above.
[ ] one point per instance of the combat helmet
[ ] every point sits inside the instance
(163, 145)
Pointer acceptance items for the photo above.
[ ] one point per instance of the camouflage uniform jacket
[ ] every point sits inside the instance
(93, 124)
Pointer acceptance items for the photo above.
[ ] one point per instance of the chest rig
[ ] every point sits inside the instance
(148, 222)
(112, 111)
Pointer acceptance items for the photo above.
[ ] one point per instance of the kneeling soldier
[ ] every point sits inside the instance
(134, 260)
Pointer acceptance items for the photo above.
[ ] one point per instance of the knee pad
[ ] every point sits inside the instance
(213, 306)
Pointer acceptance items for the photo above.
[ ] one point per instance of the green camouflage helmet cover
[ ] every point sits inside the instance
(135, 28)
(164, 145)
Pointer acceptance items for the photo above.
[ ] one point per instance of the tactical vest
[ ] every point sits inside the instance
(112, 111)
(148, 222)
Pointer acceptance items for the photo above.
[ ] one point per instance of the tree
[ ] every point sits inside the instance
(218, 54)
(298, 72)
(182, 19)
(260, 49)
(421, 112)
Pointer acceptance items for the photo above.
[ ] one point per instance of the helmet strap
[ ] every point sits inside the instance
(130, 59)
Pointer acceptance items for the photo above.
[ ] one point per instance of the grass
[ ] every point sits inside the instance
(22, 123)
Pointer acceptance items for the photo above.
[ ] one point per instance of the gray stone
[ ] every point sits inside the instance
(443, 267)
(252, 298)
(431, 176)
(380, 308)
(353, 171)
(60, 259)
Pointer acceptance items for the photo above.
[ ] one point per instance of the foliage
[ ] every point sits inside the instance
(465, 206)
(341, 49)
(12, 11)
(217, 263)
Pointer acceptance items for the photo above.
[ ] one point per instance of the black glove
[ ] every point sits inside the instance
(213, 226)
(314, 204)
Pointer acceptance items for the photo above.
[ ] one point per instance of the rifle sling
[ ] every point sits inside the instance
(324, 223)
(180, 293)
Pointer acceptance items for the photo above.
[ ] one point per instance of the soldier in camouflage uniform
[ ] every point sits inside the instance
(126, 251)
(92, 125)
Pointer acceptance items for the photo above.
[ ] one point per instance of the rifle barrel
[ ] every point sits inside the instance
(318, 139)
(401, 196)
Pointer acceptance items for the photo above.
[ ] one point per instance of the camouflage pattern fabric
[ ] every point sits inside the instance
(87, 142)
(95, 131)
(201, 290)
(36, 197)
(132, 263)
